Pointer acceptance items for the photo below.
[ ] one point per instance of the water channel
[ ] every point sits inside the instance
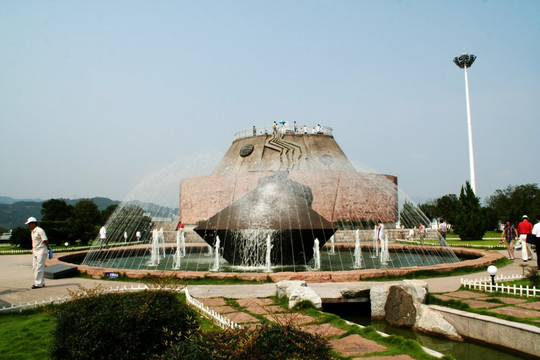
(359, 314)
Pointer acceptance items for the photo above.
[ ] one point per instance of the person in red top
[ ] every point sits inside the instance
(180, 226)
(524, 228)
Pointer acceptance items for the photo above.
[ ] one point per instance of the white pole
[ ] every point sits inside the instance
(469, 126)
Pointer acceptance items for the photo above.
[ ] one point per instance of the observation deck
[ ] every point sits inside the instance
(283, 129)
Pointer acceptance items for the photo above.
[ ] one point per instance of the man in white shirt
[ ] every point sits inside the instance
(536, 231)
(40, 250)
(442, 230)
(102, 237)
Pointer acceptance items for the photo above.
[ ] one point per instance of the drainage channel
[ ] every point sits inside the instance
(359, 313)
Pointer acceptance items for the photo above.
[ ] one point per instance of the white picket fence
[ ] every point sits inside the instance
(216, 317)
(138, 287)
(486, 285)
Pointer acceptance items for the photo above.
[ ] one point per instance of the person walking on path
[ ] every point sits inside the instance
(442, 230)
(422, 233)
(524, 228)
(40, 250)
(102, 237)
(380, 233)
(510, 234)
(536, 231)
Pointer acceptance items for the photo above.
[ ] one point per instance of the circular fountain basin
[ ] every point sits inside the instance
(334, 267)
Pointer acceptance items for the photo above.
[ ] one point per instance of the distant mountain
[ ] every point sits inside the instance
(14, 212)
(9, 200)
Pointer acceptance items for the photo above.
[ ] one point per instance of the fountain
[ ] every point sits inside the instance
(274, 203)
(385, 255)
(215, 267)
(316, 255)
(158, 247)
(332, 246)
(278, 208)
(180, 249)
(358, 260)
(268, 253)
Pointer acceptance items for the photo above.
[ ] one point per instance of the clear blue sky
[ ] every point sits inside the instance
(96, 95)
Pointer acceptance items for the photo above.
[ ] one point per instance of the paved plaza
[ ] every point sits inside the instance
(16, 278)
(251, 304)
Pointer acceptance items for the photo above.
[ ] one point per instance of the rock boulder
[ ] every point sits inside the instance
(401, 307)
(284, 284)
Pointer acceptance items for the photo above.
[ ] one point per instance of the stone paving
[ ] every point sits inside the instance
(253, 312)
(517, 307)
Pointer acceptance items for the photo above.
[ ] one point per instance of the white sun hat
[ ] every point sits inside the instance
(31, 219)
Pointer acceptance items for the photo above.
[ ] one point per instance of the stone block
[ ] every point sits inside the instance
(254, 302)
(289, 318)
(356, 292)
(355, 345)
(433, 323)
(284, 284)
(241, 317)
(324, 330)
(377, 296)
(298, 293)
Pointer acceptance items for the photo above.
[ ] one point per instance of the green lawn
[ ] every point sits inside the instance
(25, 335)
(488, 234)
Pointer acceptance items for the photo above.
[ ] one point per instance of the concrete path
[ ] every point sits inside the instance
(16, 277)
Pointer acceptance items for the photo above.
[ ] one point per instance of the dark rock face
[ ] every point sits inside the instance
(277, 212)
(400, 309)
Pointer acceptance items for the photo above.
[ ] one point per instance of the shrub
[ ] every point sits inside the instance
(21, 237)
(120, 326)
(264, 343)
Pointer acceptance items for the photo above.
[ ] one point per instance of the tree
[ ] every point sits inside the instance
(410, 216)
(56, 210)
(470, 218)
(107, 213)
(85, 221)
(514, 202)
(129, 219)
(446, 207)
(56, 214)
(21, 237)
(429, 209)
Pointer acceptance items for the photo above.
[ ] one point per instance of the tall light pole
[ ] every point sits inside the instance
(465, 61)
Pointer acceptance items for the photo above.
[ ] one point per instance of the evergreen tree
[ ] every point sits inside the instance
(470, 218)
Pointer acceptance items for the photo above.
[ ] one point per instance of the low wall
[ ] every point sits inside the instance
(518, 337)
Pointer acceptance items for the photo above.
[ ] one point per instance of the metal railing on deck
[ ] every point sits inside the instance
(269, 130)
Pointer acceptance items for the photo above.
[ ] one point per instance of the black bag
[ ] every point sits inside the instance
(531, 239)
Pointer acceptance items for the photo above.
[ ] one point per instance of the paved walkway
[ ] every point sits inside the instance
(16, 277)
